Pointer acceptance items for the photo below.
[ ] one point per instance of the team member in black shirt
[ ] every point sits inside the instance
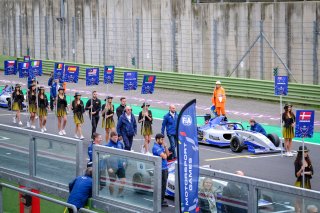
(94, 107)
(120, 108)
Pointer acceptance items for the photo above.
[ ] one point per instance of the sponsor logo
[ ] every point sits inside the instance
(186, 120)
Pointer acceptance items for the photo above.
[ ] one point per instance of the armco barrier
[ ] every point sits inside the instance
(303, 94)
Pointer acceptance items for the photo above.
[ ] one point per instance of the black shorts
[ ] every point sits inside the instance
(120, 173)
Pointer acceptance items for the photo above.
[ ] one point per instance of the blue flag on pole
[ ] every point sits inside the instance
(92, 76)
(188, 158)
(58, 70)
(281, 85)
(148, 84)
(130, 80)
(108, 74)
(71, 74)
(36, 68)
(304, 123)
(26, 58)
(10, 67)
(23, 68)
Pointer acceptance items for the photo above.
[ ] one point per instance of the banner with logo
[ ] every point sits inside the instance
(71, 74)
(92, 76)
(188, 158)
(58, 70)
(10, 67)
(304, 123)
(23, 68)
(148, 84)
(281, 85)
(35, 68)
(108, 74)
(26, 58)
(130, 80)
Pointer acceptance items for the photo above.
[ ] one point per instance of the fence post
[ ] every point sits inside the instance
(173, 41)
(261, 51)
(74, 39)
(215, 40)
(137, 43)
(315, 53)
(46, 35)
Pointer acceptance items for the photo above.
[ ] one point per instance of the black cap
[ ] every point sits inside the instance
(60, 88)
(41, 88)
(287, 105)
(301, 149)
(145, 104)
(18, 85)
(159, 135)
(108, 97)
(77, 94)
(89, 164)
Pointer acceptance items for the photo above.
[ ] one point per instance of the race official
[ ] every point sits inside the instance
(170, 123)
(53, 92)
(256, 127)
(127, 127)
(80, 190)
(160, 149)
(94, 107)
(219, 99)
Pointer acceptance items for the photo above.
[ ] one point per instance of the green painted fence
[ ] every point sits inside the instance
(303, 94)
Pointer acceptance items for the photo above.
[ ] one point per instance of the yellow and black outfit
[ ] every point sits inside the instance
(61, 106)
(78, 110)
(17, 100)
(288, 129)
(307, 177)
(32, 100)
(43, 105)
(146, 126)
(109, 122)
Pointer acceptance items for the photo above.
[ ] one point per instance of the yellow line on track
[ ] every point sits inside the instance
(226, 158)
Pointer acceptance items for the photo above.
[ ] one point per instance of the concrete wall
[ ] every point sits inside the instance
(170, 35)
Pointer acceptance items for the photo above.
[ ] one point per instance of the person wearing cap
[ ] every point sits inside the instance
(160, 149)
(17, 100)
(256, 127)
(145, 118)
(303, 167)
(77, 107)
(32, 102)
(43, 106)
(62, 105)
(289, 121)
(94, 107)
(107, 116)
(127, 127)
(219, 99)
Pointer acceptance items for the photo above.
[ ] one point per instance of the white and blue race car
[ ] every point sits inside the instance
(219, 132)
(5, 97)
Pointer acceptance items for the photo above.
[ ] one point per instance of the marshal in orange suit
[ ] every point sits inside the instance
(219, 99)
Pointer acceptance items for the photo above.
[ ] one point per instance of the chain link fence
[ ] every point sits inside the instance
(212, 47)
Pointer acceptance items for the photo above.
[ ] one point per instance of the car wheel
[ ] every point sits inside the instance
(236, 144)
(200, 135)
(274, 139)
(9, 104)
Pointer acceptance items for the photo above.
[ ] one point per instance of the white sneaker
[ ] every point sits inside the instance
(76, 136)
(33, 127)
(36, 117)
(149, 153)
(290, 154)
(81, 137)
(60, 133)
(20, 123)
(63, 132)
(28, 124)
(14, 120)
(44, 129)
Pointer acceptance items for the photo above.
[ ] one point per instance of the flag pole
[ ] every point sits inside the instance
(303, 176)
(27, 108)
(281, 124)
(37, 104)
(105, 111)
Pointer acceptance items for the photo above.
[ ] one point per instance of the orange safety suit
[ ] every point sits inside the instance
(219, 100)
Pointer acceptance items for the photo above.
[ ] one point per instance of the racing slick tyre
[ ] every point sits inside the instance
(9, 103)
(140, 182)
(274, 139)
(236, 144)
(200, 135)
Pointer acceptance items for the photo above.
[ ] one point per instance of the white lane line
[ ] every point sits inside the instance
(263, 156)
(3, 138)
(212, 150)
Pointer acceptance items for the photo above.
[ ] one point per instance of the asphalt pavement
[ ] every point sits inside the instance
(271, 167)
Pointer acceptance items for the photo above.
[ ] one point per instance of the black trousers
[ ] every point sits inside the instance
(94, 123)
(51, 102)
(127, 141)
(164, 183)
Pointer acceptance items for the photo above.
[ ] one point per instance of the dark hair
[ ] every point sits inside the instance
(93, 92)
(88, 172)
(122, 98)
(298, 160)
(95, 135)
(159, 136)
(113, 133)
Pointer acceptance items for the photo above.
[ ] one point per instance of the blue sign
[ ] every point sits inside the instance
(58, 70)
(71, 74)
(188, 158)
(36, 68)
(148, 84)
(108, 74)
(92, 76)
(24, 68)
(130, 80)
(281, 85)
(304, 123)
(26, 58)
(10, 67)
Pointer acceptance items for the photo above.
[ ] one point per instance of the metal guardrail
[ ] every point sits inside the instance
(304, 94)
(23, 191)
